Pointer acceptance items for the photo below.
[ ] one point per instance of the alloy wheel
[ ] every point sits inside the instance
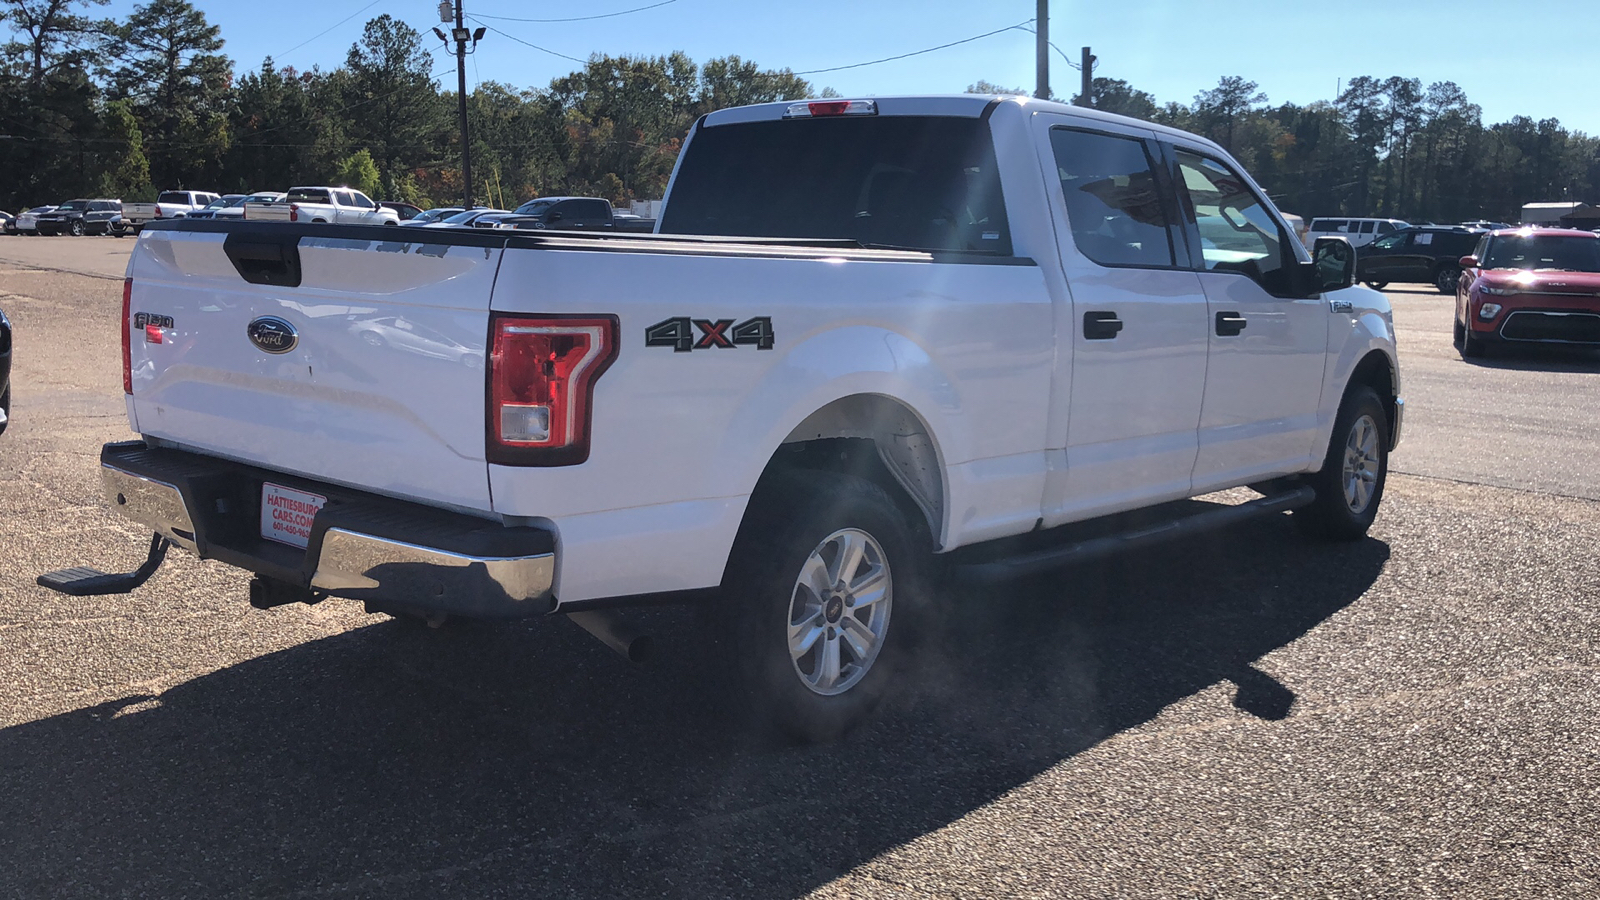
(839, 611)
(1362, 463)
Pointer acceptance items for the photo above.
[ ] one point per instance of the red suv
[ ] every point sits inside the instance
(1529, 285)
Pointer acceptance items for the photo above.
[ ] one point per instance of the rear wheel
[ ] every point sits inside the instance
(821, 562)
(1445, 279)
(1377, 285)
(1350, 485)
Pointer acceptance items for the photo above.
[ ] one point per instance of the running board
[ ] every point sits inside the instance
(1026, 564)
(82, 581)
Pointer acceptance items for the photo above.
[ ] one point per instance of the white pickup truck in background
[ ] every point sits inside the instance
(168, 205)
(940, 321)
(322, 205)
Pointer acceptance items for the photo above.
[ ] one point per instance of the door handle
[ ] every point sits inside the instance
(1100, 325)
(1230, 323)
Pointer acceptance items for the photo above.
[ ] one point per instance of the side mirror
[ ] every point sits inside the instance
(1333, 259)
(1469, 262)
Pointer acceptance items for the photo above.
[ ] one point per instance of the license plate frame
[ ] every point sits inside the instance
(287, 514)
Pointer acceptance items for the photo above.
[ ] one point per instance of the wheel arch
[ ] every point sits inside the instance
(879, 438)
(1378, 371)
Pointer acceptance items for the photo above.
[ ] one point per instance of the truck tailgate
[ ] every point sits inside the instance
(382, 388)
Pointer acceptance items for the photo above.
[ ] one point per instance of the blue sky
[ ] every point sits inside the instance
(1531, 58)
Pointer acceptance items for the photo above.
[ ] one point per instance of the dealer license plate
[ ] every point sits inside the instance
(286, 514)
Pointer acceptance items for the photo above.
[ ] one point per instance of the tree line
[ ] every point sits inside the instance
(1382, 147)
(124, 108)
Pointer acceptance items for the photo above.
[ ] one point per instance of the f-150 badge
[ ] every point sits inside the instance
(678, 333)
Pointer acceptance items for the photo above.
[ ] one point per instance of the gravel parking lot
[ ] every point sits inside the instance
(1247, 714)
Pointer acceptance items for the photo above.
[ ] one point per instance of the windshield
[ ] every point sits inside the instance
(73, 204)
(261, 198)
(462, 218)
(534, 207)
(1543, 251)
(921, 182)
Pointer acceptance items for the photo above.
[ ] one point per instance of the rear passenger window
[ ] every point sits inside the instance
(1237, 234)
(1366, 227)
(596, 210)
(1385, 227)
(1114, 202)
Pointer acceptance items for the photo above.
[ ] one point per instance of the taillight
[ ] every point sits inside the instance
(542, 371)
(816, 108)
(294, 212)
(127, 339)
(158, 211)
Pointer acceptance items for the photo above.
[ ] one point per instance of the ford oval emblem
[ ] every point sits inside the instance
(273, 334)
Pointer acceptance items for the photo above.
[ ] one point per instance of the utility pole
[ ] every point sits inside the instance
(461, 35)
(1041, 33)
(1088, 77)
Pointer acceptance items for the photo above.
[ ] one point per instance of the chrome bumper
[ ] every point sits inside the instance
(357, 565)
(348, 562)
(154, 504)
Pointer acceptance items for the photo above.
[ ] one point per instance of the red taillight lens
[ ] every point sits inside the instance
(542, 371)
(294, 212)
(158, 211)
(127, 337)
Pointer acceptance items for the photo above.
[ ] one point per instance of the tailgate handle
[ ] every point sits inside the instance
(265, 258)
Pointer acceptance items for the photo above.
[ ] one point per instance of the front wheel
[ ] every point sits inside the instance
(1350, 485)
(821, 562)
(76, 228)
(1471, 346)
(1446, 278)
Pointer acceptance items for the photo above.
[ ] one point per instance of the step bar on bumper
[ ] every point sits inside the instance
(362, 546)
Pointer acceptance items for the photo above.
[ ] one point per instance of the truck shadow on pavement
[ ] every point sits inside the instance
(526, 760)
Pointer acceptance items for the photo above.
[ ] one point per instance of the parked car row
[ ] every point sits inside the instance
(317, 205)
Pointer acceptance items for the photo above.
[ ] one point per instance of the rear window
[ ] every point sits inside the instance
(308, 195)
(919, 182)
(173, 197)
(1322, 225)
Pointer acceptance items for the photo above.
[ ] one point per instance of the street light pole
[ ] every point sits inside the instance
(461, 35)
(1041, 48)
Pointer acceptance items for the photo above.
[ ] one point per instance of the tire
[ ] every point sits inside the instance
(1458, 333)
(1445, 279)
(802, 522)
(1471, 346)
(5, 407)
(1350, 486)
(76, 229)
(1377, 285)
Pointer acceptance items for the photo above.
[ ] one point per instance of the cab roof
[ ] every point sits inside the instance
(970, 106)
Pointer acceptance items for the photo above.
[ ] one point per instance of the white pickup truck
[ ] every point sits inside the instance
(322, 205)
(943, 321)
(168, 205)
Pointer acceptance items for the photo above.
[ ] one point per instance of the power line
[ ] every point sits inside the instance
(976, 37)
(526, 43)
(328, 29)
(582, 18)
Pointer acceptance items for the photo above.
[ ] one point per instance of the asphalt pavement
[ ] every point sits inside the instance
(1246, 714)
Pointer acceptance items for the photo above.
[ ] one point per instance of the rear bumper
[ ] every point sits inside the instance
(396, 554)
